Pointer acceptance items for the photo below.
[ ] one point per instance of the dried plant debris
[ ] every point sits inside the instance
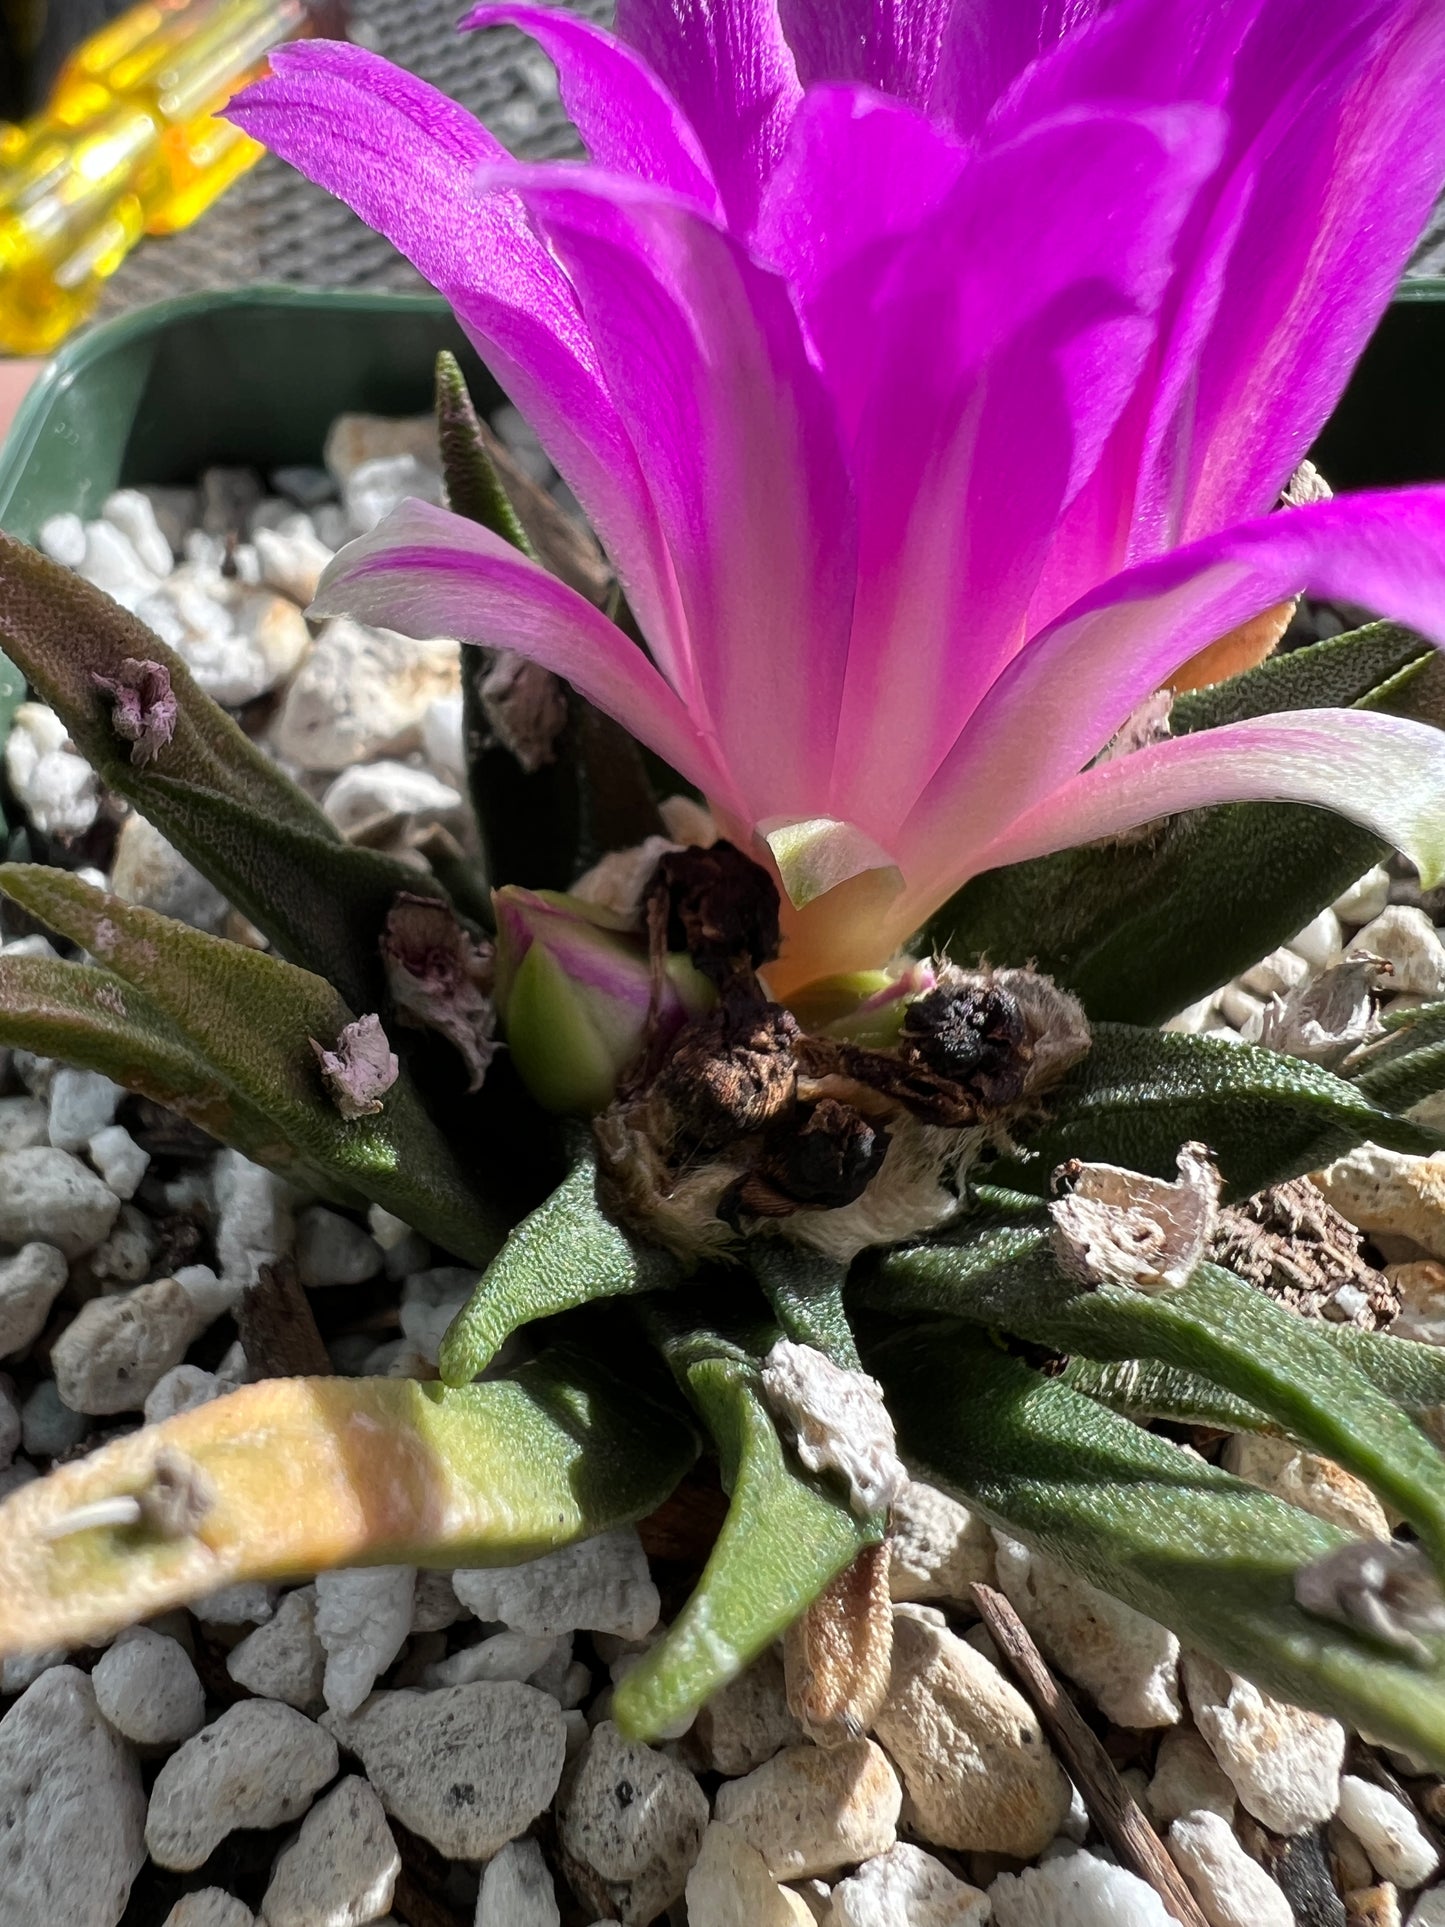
(1290, 1243)
(525, 707)
(839, 1422)
(441, 978)
(838, 1655)
(1385, 1588)
(1326, 1019)
(360, 1070)
(144, 711)
(1117, 1227)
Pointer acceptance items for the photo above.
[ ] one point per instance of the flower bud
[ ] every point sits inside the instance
(575, 994)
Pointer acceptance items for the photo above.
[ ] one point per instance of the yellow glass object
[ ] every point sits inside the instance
(127, 145)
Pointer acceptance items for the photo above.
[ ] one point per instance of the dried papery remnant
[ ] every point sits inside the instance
(173, 1503)
(441, 979)
(838, 1655)
(1385, 1588)
(1327, 1018)
(361, 1069)
(525, 707)
(1148, 724)
(144, 710)
(1118, 1227)
(839, 1422)
(717, 905)
(1291, 1243)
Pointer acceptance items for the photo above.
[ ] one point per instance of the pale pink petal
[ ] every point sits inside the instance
(706, 363)
(728, 67)
(1063, 697)
(425, 572)
(1384, 772)
(626, 117)
(405, 158)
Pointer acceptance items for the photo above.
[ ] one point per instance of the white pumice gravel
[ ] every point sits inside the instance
(1393, 1192)
(517, 1889)
(363, 1615)
(977, 1768)
(1076, 1890)
(24, 1121)
(257, 1224)
(1283, 1762)
(1304, 1479)
(151, 872)
(249, 1602)
(467, 1767)
(50, 1196)
(209, 1907)
(81, 1103)
(180, 1389)
(1398, 1846)
(1232, 1890)
(58, 790)
(730, 1886)
(1187, 1779)
(119, 1159)
(118, 1348)
(30, 1283)
(748, 1720)
(504, 1655)
(907, 1887)
(341, 1869)
(937, 1547)
(147, 1688)
(1429, 1909)
(1127, 1664)
(73, 1837)
(259, 1765)
(811, 1810)
(284, 1659)
(332, 1250)
(1405, 938)
(630, 1820)
(598, 1585)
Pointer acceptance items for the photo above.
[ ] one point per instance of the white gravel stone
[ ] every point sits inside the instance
(331, 1250)
(598, 1585)
(441, 739)
(119, 1159)
(1390, 1191)
(24, 1121)
(249, 1602)
(1129, 1665)
(1429, 1909)
(730, 1886)
(259, 1765)
(30, 1283)
(631, 1821)
(748, 1720)
(1232, 1890)
(1079, 1890)
(468, 1767)
(360, 694)
(151, 872)
(517, 1889)
(938, 1547)
(111, 563)
(430, 1300)
(1405, 937)
(1187, 1779)
(48, 1426)
(210, 1907)
(147, 1688)
(907, 1887)
(504, 1655)
(1240, 1007)
(10, 1426)
(341, 1869)
(1284, 1762)
(1422, 1301)
(81, 1103)
(375, 802)
(134, 515)
(51, 1196)
(979, 1773)
(1304, 1479)
(117, 1348)
(1398, 1846)
(181, 1389)
(434, 1604)
(363, 1616)
(374, 488)
(74, 1810)
(811, 1810)
(1321, 940)
(256, 1225)
(284, 1659)
(292, 557)
(1280, 971)
(62, 538)
(1366, 898)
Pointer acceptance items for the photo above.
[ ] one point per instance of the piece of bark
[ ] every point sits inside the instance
(278, 1327)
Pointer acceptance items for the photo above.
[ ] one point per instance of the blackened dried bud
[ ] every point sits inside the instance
(722, 909)
(144, 710)
(826, 1156)
(974, 1035)
(730, 1074)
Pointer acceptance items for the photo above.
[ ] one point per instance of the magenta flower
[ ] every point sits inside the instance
(930, 371)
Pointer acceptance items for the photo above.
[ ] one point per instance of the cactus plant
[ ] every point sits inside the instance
(843, 1139)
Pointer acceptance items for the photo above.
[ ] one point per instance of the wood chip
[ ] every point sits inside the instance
(278, 1328)
(1111, 1807)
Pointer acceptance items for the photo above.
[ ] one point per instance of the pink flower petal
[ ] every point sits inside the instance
(626, 117)
(727, 65)
(1383, 772)
(892, 45)
(736, 434)
(425, 572)
(1063, 697)
(405, 158)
